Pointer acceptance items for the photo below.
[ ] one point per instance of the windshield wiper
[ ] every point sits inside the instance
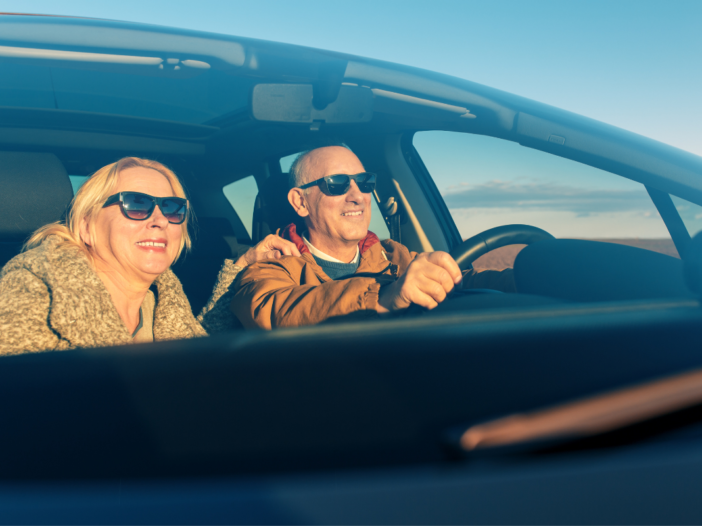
(589, 417)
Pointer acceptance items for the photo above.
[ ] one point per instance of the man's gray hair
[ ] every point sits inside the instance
(296, 176)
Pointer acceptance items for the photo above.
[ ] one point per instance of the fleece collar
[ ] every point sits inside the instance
(290, 233)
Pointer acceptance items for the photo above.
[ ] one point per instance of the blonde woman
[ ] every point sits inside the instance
(88, 282)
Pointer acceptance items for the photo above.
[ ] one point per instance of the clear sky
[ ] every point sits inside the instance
(633, 64)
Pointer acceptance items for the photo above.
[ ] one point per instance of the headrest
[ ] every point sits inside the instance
(272, 209)
(34, 191)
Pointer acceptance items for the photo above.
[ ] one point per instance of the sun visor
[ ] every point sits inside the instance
(293, 103)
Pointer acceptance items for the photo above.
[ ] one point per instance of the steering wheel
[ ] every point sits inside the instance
(474, 247)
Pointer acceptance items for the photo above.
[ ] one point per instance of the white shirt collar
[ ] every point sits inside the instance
(327, 257)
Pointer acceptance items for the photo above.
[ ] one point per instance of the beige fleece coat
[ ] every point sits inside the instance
(52, 299)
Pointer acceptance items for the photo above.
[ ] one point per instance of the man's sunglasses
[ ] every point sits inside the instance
(139, 207)
(339, 184)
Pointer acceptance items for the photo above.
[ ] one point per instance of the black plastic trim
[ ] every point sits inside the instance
(671, 218)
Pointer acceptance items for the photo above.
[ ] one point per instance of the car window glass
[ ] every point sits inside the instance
(286, 162)
(242, 196)
(690, 213)
(488, 182)
(77, 181)
(377, 223)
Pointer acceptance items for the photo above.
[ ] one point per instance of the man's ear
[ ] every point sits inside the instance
(296, 197)
(85, 232)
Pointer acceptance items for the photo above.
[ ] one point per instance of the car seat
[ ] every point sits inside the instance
(34, 191)
(272, 209)
(213, 242)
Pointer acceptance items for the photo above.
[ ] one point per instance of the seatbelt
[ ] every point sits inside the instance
(391, 213)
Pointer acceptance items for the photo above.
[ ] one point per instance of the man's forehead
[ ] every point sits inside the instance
(332, 160)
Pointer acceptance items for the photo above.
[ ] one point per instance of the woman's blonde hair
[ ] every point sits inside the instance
(90, 198)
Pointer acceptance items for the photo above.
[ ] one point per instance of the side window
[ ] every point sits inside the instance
(377, 223)
(690, 213)
(242, 196)
(488, 182)
(77, 181)
(286, 162)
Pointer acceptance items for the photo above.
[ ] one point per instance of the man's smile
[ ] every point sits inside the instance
(353, 213)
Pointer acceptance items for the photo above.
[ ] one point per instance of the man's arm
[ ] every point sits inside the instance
(215, 315)
(267, 296)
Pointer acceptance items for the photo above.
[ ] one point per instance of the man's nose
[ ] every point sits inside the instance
(354, 194)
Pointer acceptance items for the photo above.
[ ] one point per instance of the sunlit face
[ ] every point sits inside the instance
(340, 219)
(137, 250)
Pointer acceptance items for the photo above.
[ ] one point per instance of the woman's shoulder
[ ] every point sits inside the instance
(52, 255)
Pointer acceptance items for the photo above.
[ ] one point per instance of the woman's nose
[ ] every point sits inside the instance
(158, 219)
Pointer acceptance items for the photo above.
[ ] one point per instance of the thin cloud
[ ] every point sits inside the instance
(548, 196)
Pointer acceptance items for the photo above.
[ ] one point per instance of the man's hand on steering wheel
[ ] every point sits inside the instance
(427, 281)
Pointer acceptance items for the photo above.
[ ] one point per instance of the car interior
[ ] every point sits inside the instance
(218, 120)
(37, 191)
(589, 316)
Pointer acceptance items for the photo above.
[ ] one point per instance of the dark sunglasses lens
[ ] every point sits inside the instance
(366, 182)
(137, 206)
(338, 184)
(174, 210)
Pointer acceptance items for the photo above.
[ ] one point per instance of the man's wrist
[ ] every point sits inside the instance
(242, 262)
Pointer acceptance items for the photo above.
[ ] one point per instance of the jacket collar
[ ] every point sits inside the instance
(290, 233)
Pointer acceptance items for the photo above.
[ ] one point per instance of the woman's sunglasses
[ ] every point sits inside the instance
(139, 207)
(339, 184)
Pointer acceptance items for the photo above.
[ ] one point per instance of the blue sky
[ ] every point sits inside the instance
(633, 64)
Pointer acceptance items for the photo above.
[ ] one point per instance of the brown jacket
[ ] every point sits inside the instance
(295, 291)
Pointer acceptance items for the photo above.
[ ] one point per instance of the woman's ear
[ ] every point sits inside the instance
(297, 200)
(85, 232)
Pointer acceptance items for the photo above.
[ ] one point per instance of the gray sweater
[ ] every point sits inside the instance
(52, 299)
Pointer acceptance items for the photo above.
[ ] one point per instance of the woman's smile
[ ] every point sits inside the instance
(153, 245)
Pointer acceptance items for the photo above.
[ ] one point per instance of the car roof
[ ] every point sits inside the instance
(426, 100)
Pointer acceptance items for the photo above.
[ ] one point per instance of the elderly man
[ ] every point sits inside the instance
(343, 270)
